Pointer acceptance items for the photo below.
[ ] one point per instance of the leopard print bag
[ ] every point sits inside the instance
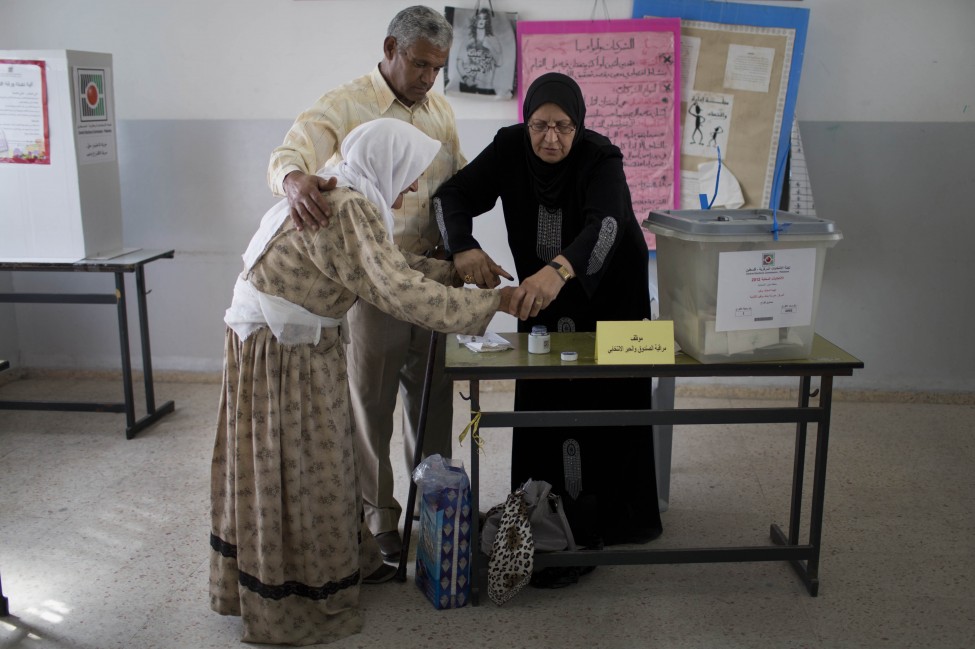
(513, 551)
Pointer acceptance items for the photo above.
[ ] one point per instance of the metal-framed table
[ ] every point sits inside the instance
(133, 262)
(825, 361)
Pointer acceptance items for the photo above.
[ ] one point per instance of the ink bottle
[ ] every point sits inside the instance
(539, 340)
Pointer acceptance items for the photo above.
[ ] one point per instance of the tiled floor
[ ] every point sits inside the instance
(103, 541)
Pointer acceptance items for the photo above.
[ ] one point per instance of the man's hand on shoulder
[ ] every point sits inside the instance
(308, 207)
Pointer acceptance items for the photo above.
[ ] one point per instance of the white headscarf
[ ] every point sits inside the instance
(382, 158)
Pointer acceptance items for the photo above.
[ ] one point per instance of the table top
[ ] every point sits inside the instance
(126, 262)
(462, 363)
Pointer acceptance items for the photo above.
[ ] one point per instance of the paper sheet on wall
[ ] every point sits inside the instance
(690, 48)
(749, 68)
(800, 187)
(707, 124)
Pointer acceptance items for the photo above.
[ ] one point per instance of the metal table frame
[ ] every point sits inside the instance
(133, 262)
(825, 361)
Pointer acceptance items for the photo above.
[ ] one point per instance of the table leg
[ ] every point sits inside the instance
(476, 581)
(809, 572)
(799, 465)
(123, 335)
(140, 286)
(4, 604)
(153, 414)
(421, 426)
(819, 481)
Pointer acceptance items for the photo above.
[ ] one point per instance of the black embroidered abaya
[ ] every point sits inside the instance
(579, 207)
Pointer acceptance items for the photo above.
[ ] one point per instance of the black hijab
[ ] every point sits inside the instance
(550, 179)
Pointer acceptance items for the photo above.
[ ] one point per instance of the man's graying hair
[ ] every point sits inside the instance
(419, 22)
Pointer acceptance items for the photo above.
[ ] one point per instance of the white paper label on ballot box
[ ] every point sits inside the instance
(759, 289)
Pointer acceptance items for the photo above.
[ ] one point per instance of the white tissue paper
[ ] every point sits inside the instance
(729, 189)
(490, 342)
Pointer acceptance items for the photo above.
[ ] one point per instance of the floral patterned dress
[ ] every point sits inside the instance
(289, 545)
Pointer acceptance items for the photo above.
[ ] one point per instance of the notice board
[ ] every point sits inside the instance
(628, 71)
(741, 68)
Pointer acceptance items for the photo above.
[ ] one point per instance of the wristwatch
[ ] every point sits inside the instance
(562, 271)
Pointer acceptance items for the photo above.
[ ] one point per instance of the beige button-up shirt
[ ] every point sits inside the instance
(314, 140)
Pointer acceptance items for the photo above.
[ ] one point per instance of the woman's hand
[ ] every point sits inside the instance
(544, 286)
(515, 301)
(476, 267)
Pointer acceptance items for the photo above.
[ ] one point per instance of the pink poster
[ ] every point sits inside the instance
(629, 72)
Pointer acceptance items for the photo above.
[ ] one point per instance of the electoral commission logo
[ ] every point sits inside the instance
(91, 85)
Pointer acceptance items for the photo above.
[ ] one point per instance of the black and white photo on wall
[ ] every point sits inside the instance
(482, 58)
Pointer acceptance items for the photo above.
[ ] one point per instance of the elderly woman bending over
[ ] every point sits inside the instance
(289, 548)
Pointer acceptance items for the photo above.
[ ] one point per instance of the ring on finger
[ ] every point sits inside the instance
(468, 279)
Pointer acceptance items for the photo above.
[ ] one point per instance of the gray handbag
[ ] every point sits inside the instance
(530, 520)
(549, 526)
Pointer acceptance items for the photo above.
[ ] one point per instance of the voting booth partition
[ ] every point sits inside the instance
(60, 203)
(59, 173)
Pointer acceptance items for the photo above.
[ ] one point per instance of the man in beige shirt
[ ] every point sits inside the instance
(385, 355)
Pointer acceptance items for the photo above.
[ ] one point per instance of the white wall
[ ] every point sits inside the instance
(889, 61)
(205, 88)
(866, 60)
(240, 59)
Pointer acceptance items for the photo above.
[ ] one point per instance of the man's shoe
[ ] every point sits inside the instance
(381, 575)
(390, 545)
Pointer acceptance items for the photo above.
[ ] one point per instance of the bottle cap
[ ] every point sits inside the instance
(570, 356)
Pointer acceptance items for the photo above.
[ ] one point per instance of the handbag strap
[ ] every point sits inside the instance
(477, 7)
(535, 492)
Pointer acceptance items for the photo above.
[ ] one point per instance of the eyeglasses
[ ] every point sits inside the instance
(562, 128)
